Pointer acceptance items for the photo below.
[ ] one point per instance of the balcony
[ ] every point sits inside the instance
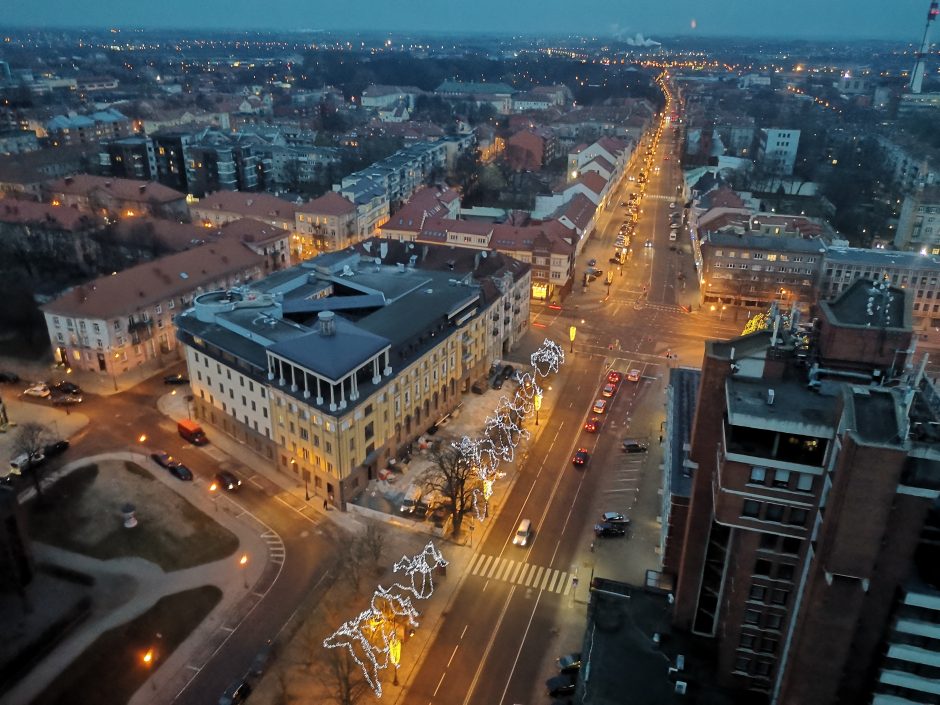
(776, 449)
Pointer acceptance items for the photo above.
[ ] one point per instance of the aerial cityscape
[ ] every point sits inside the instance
(500, 354)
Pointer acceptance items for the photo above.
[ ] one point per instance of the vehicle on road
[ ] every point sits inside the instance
(163, 459)
(66, 388)
(600, 406)
(180, 472)
(236, 694)
(40, 390)
(227, 480)
(608, 529)
(9, 377)
(569, 663)
(592, 424)
(66, 399)
(609, 390)
(592, 262)
(648, 243)
(26, 461)
(673, 234)
(633, 375)
(560, 685)
(192, 432)
(614, 518)
(478, 387)
(614, 377)
(176, 379)
(523, 533)
(631, 446)
(581, 456)
(672, 205)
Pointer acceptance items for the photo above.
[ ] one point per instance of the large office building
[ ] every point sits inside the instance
(329, 367)
(809, 554)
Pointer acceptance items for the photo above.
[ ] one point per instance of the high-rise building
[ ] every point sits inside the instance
(815, 462)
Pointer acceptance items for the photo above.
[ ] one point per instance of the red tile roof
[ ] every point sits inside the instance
(253, 231)
(123, 189)
(248, 204)
(14, 211)
(579, 210)
(593, 181)
(329, 204)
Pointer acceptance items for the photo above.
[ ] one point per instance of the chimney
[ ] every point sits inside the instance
(770, 395)
(327, 323)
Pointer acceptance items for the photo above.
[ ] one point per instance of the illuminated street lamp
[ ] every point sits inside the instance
(243, 562)
(537, 400)
(394, 654)
(572, 332)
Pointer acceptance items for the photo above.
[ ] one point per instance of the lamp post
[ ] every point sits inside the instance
(243, 562)
(394, 653)
(610, 279)
(537, 400)
(572, 332)
(114, 360)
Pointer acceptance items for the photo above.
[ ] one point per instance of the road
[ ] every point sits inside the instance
(517, 608)
(117, 422)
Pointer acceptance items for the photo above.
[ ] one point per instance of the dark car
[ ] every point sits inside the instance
(66, 399)
(608, 529)
(478, 387)
(581, 456)
(236, 693)
(66, 388)
(570, 663)
(592, 424)
(507, 372)
(560, 685)
(180, 472)
(9, 377)
(614, 518)
(260, 663)
(56, 448)
(176, 379)
(592, 262)
(634, 447)
(164, 460)
(227, 481)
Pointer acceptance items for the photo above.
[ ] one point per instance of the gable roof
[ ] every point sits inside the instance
(330, 203)
(579, 210)
(71, 219)
(592, 181)
(121, 189)
(248, 204)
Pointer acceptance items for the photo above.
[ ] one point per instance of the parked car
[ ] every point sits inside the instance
(55, 448)
(66, 399)
(66, 388)
(592, 424)
(560, 685)
(236, 693)
(38, 390)
(180, 472)
(614, 518)
(164, 460)
(608, 529)
(176, 379)
(507, 371)
(478, 387)
(7, 377)
(592, 262)
(227, 481)
(25, 461)
(570, 663)
(581, 456)
(262, 659)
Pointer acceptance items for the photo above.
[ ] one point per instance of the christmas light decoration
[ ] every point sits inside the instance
(503, 431)
(371, 637)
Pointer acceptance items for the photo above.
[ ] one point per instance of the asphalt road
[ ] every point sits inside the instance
(117, 422)
(517, 609)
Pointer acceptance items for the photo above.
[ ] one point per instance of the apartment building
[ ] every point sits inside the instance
(116, 198)
(225, 206)
(119, 323)
(919, 222)
(129, 158)
(815, 471)
(329, 367)
(325, 224)
(74, 129)
(777, 149)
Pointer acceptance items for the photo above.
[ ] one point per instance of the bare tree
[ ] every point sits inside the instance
(454, 478)
(343, 677)
(373, 542)
(29, 441)
(352, 559)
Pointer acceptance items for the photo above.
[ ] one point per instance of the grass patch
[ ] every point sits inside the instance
(82, 513)
(112, 668)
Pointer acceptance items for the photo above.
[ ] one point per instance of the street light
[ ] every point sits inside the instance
(243, 562)
(394, 653)
(572, 332)
(537, 400)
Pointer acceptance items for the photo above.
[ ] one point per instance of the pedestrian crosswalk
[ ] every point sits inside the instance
(276, 550)
(521, 573)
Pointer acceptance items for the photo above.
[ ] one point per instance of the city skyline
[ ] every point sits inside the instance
(864, 19)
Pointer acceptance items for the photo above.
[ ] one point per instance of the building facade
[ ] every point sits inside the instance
(777, 149)
(919, 222)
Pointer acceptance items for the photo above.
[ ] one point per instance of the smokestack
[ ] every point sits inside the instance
(917, 75)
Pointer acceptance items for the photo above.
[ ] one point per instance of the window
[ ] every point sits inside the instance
(751, 508)
(741, 663)
(758, 592)
(784, 571)
(773, 621)
(804, 482)
(774, 512)
(768, 541)
(758, 475)
(762, 567)
(751, 617)
(791, 545)
(747, 642)
(782, 478)
(779, 597)
(768, 646)
(762, 668)
(797, 517)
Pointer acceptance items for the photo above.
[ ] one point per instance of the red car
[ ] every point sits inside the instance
(592, 425)
(581, 456)
(614, 377)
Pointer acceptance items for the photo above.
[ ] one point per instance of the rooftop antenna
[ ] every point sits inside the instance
(773, 338)
(917, 75)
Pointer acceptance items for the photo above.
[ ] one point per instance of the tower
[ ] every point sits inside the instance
(917, 75)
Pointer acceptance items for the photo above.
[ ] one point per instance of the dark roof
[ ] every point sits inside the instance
(683, 384)
(869, 305)
(332, 356)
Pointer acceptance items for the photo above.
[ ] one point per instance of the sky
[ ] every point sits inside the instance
(837, 19)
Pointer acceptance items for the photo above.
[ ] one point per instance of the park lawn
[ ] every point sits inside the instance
(82, 513)
(113, 667)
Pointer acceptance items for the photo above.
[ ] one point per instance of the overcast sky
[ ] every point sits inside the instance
(888, 19)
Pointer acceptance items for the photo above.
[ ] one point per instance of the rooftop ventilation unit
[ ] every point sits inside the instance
(770, 397)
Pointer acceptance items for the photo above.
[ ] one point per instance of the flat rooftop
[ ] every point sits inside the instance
(795, 408)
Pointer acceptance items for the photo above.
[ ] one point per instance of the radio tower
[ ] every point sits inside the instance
(917, 77)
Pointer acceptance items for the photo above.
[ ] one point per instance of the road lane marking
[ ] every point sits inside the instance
(504, 571)
(464, 630)
(452, 656)
(492, 571)
(482, 568)
(519, 651)
(489, 647)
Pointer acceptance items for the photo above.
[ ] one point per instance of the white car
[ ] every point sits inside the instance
(633, 376)
(672, 205)
(600, 406)
(38, 390)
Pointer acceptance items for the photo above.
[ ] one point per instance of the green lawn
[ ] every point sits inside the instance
(81, 513)
(112, 668)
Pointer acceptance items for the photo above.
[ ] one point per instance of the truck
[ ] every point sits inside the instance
(192, 432)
